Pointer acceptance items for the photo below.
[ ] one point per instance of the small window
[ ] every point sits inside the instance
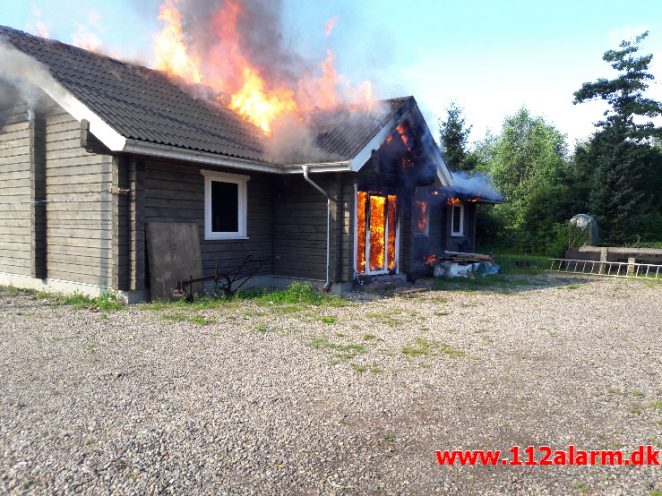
(225, 205)
(457, 220)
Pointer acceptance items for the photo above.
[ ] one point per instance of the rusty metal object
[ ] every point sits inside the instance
(225, 284)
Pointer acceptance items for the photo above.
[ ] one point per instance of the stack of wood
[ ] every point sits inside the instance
(464, 258)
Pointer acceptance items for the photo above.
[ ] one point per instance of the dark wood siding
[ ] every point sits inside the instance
(15, 206)
(432, 242)
(300, 213)
(174, 192)
(79, 209)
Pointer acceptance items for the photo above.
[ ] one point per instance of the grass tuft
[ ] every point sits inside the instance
(423, 347)
(341, 351)
(297, 293)
(107, 301)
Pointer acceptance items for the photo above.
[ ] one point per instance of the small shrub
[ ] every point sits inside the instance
(109, 302)
(328, 319)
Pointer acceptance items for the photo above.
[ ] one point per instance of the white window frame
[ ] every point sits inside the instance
(459, 233)
(242, 200)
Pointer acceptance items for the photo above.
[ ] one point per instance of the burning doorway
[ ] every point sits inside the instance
(376, 233)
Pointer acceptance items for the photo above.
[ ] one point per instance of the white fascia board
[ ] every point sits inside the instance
(318, 167)
(33, 72)
(171, 152)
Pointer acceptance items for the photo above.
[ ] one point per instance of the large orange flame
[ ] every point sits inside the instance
(170, 52)
(377, 217)
(227, 68)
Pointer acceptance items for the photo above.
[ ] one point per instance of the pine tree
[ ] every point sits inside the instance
(453, 134)
(626, 169)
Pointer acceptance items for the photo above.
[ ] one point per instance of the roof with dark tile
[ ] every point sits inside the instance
(343, 132)
(140, 103)
(145, 105)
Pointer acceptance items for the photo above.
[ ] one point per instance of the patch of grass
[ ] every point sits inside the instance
(193, 319)
(657, 406)
(328, 319)
(262, 329)
(370, 337)
(31, 483)
(390, 437)
(638, 394)
(175, 317)
(9, 291)
(498, 282)
(423, 347)
(297, 293)
(201, 320)
(572, 286)
(635, 409)
(288, 309)
(341, 351)
(107, 301)
(360, 368)
(653, 283)
(441, 314)
(581, 487)
(522, 264)
(553, 334)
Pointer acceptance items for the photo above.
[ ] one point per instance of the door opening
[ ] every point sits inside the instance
(376, 231)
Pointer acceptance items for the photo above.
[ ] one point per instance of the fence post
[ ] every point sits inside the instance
(604, 252)
(631, 261)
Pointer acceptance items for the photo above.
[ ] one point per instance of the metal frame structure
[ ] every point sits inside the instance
(604, 268)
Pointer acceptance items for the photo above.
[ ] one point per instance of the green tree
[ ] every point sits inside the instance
(454, 133)
(529, 165)
(620, 162)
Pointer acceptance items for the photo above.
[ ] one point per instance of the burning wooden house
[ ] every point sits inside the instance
(97, 150)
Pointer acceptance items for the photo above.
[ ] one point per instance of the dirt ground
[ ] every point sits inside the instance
(273, 397)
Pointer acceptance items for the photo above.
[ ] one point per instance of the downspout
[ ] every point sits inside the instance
(329, 199)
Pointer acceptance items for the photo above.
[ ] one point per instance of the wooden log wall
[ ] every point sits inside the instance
(15, 192)
(79, 221)
(174, 192)
(300, 216)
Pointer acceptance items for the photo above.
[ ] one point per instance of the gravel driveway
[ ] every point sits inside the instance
(262, 399)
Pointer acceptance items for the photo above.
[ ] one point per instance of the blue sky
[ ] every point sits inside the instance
(491, 57)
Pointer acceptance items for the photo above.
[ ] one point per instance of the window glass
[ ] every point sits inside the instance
(224, 207)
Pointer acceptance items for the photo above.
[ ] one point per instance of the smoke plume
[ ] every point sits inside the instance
(476, 184)
(17, 72)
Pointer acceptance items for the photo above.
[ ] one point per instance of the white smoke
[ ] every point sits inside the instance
(476, 184)
(17, 71)
(294, 139)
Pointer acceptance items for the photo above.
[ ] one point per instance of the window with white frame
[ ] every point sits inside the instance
(225, 205)
(457, 219)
